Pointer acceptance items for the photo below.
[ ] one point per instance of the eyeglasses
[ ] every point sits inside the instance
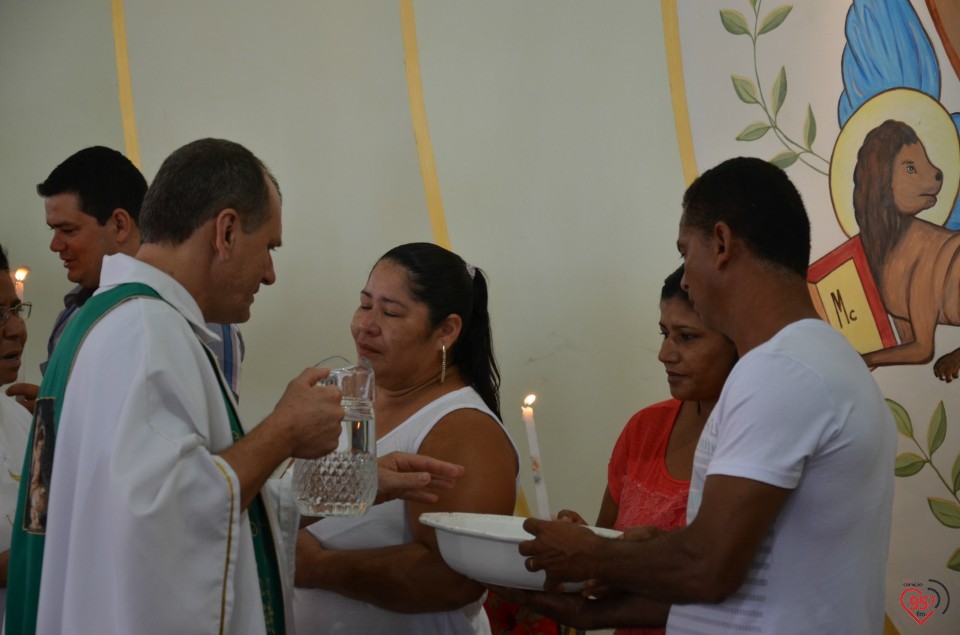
(21, 311)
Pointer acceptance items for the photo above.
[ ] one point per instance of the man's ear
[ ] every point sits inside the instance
(226, 229)
(122, 224)
(723, 242)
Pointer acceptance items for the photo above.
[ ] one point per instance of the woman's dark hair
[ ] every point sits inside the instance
(4, 263)
(443, 281)
(671, 287)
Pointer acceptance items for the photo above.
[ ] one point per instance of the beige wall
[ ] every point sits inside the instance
(555, 152)
(556, 155)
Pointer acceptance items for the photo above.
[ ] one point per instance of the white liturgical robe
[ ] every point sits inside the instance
(144, 528)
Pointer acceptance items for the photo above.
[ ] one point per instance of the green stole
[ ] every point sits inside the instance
(26, 550)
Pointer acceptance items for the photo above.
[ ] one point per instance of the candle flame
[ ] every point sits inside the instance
(529, 400)
(21, 274)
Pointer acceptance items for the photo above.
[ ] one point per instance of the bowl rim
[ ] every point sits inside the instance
(437, 521)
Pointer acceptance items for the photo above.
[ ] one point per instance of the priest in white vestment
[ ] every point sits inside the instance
(158, 517)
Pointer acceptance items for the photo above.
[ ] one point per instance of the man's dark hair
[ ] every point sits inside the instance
(102, 178)
(197, 182)
(759, 204)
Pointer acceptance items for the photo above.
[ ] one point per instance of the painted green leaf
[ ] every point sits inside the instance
(937, 431)
(954, 561)
(955, 475)
(785, 159)
(908, 464)
(809, 128)
(745, 90)
(754, 131)
(753, 4)
(779, 90)
(774, 19)
(734, 22)
(947, 512)
(902, 418)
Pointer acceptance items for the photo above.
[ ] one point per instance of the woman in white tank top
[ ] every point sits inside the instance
(423, 324)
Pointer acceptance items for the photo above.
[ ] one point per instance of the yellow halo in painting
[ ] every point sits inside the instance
(933, 126)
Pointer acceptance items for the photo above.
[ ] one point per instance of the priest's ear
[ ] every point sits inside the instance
(226, 228)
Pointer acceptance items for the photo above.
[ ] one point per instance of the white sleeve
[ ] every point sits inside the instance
(774, 413)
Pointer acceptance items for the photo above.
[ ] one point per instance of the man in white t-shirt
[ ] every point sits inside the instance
(792, 489)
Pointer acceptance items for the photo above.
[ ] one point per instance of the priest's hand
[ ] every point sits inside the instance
(305, 424)
(308, 416)
(412, 476)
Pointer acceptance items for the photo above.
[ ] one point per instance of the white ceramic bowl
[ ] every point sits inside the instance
(483, 547)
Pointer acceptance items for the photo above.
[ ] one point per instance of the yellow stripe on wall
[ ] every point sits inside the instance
(124, 87)
(421, 132)
(678, 92)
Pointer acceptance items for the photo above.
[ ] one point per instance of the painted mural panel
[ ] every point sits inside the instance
(860, 103)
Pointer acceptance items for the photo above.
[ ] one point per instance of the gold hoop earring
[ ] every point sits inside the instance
(443, 363)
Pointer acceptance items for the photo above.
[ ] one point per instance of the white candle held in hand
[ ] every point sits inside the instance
(539, 485)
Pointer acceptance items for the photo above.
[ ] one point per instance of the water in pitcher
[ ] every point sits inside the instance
(343, 483)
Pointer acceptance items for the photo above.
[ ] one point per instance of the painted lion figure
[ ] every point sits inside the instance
(915, 263)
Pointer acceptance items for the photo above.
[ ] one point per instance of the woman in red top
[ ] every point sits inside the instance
(649, 472)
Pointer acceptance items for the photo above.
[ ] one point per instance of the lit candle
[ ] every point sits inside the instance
(19, 276)
(539, 486)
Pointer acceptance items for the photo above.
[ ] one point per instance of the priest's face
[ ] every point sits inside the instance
(250, 265)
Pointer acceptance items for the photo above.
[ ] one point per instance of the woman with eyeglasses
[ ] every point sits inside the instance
(14, 418)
